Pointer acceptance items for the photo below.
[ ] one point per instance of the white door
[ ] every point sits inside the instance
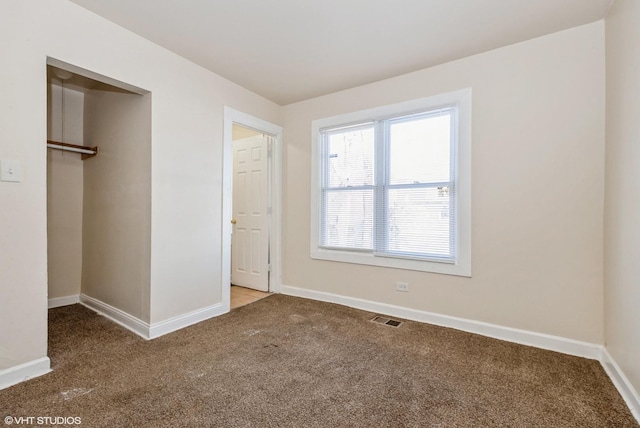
(250, 228)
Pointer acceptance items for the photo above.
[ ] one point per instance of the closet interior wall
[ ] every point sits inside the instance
(65, 170)
(116, 233)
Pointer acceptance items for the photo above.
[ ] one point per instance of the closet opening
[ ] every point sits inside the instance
(98, 191)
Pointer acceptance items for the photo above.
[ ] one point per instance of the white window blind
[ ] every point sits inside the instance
(348, 187)
(388, 186)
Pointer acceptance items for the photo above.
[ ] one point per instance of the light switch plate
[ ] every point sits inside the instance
(10, 170)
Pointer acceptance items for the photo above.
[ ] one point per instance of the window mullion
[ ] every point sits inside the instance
(381, 179)
(453, 174)
(420, 185)
(323, 188)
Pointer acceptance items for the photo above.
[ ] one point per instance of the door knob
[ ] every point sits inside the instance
(233, 221)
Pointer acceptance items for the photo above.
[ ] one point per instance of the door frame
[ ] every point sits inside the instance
(232, 116)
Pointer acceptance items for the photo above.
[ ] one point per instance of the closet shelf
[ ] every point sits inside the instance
(87, 152)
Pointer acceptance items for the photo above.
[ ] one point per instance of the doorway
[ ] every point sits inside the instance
(251, 204)
(251, 210)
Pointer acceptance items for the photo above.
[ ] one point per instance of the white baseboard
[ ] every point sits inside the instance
(144, 329)
(22, 372)
(176, 323)
(523, 337)
(621, 382)
(56, 302)
(139, 327)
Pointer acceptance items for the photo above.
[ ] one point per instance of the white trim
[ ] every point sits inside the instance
(181, 321)
(22, 372)
(139, 327)
(462, 267)
(232, 116)
(151, 331)
(523, 337)
(622, 383)
(56, 302)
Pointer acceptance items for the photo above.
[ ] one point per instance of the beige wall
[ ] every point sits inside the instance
(187, 105)
(537, 180)
(64, 191)
(116, 233)
(622, 206)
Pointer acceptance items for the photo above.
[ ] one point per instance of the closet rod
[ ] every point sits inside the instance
(87, 152)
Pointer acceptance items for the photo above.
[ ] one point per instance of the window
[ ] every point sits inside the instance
(391, 186)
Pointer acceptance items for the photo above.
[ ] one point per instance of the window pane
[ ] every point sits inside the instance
(349, 219)
(418, 221)
(420, 150)
(350, 155)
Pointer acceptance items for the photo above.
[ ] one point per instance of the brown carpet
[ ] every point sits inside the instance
(291, 362)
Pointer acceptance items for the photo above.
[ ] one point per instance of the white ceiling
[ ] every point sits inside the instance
(291, 50)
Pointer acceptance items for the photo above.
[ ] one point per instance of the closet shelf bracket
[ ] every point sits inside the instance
(85, 151)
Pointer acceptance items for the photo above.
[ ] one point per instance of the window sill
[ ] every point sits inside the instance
(457, 269)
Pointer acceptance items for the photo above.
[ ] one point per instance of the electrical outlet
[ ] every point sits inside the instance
(402, 286)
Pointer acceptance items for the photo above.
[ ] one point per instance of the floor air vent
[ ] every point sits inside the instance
(386, 321)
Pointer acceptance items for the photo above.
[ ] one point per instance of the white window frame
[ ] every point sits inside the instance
(461, 99)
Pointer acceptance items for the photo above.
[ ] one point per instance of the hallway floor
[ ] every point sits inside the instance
(241, 296)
